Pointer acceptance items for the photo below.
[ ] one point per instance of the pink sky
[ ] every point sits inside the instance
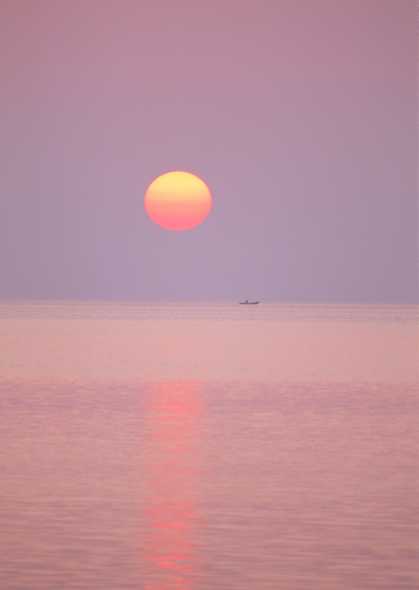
(300, 115)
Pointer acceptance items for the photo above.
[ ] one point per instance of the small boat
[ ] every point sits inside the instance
(247, 302)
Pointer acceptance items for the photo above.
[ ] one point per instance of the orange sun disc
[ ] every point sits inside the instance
(178, 201)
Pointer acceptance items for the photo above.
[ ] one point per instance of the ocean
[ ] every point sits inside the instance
(186, 446)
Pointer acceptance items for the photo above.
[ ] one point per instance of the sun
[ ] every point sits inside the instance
(178, 200)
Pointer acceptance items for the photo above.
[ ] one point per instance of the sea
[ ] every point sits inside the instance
(208, 446)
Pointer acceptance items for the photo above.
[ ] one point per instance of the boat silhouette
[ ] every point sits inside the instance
(247, 302)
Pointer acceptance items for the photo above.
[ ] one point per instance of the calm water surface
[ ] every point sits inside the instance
(194, 447)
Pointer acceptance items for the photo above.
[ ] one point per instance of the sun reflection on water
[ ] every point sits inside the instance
(172, 480)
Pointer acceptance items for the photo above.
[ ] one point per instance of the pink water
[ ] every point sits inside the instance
(194, 447)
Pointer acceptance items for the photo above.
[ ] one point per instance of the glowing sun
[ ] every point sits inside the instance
(178, 201)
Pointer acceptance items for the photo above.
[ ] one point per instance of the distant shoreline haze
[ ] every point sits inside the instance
(120, 342)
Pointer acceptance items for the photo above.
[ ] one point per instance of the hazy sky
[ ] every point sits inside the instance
(300, 116)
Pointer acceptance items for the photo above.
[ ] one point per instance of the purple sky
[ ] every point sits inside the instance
(301, 117)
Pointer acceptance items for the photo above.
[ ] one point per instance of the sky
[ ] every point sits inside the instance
(300, 116)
